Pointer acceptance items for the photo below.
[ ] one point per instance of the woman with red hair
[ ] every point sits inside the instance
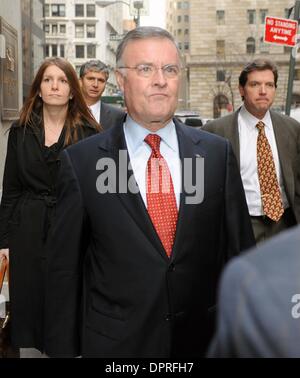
(53, 117)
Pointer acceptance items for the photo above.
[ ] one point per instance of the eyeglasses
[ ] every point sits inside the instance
(170, 71)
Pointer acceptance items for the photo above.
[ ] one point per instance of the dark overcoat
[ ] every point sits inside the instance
(26, 214)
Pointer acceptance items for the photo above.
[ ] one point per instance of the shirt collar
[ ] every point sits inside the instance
(95, 107)
(136, 134)
(251, 121)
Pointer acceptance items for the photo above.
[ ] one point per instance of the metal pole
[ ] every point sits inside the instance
(138, 17)
(292, 67)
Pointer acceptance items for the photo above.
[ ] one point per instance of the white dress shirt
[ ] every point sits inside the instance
(95, 109)
(139, 152)
(248, 133)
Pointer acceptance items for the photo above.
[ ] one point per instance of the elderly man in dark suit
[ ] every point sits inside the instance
(93, 76)
(259, 304)
(140, 246)
(266, 145)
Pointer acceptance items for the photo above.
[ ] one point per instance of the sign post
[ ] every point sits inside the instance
(292, 67)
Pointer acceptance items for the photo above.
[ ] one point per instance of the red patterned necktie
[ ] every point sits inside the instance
(161, 201)
(269, 187)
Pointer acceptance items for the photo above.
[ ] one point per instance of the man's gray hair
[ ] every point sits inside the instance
(93, 65)
(140, 33)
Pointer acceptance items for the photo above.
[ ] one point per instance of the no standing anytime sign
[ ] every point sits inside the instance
(281, 31)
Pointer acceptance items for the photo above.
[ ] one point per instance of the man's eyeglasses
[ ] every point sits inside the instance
(170, 71)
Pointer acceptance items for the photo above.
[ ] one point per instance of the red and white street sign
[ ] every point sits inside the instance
(281, 31)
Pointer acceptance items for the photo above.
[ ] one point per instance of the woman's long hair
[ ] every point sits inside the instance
(78, 113)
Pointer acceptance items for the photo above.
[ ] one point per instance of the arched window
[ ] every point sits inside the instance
(295, 100)
(264, 47)
(250, 45)
(220, 105)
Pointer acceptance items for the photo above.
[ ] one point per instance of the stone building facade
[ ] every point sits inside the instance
(11, 91)
(33, 40)
(80, 30)
(223, 36)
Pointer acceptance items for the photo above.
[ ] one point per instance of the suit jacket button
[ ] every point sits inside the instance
(171, 267)
(168, 317)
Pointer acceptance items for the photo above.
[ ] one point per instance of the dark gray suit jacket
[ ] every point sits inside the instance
(110, 115)
(139, 302)
(259, 303)
(287, 135)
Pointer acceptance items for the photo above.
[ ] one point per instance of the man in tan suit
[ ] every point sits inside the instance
(281, 134)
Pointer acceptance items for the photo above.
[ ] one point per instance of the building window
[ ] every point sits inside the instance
(297, 74)
(186, 45)
(186, 31)
(186, 18)
(79, 31)
(54, 50)
(90, 10)
(91, 31)
(79, 51)
(220, 46)
(179, 32)
(58, 10)
(185, 5)
(220, 105)
(62, 29)
(251, 16)
(178, 18)
(79, 10)
(62, 51)
(179, 45)
(46, 10)
(287, 49)
(263, 14)
(250, 45)
(220, 75)
(46, 28)
(91, 51)
(264, 47)
(47, 51)
(54, 29)
(179, 5)
(295, 100)
(220, 17)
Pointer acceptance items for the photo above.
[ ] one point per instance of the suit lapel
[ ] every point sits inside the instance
(133, 202)
(104, 113)
(231, 132)
(282, 141)
(189, 148)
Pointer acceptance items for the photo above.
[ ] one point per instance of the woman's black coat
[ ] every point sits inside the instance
(26, 212)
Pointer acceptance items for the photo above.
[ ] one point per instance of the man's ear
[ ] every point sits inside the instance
(80, 82)
(120, 80)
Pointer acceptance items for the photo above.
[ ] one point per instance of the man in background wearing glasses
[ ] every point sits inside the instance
(148, 214)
